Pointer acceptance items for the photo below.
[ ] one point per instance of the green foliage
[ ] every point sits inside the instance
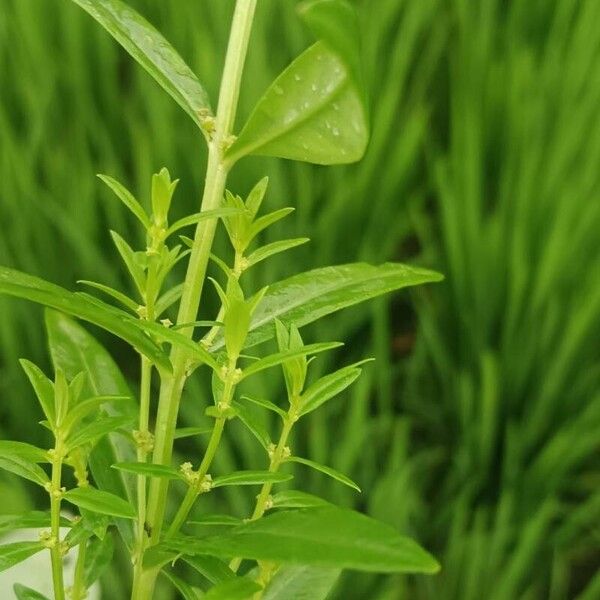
(314, 111)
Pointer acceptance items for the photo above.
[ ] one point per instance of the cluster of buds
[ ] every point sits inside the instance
(272, 449)
(202, 483)
(234, 374)
(240, 266)
(166, 323)
(269, 503)
(54, 491)
(55, 454)
(207, 122)
(47, 539)
(227, 142)
(144, 440)
(142, 312)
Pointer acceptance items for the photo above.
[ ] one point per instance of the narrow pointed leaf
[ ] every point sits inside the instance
(149, 470)
(185, 432)
(267, 220)
(240, 588)
(119, 296)
(23, 592)
(215, 520)
(43, 387)
(266, 404)
(86, 407)
(301, 582)
(74, 350)
(15, 283)
(249, 478)
(296, 499)
(216, 213)
(12, 554)
(185, 589)
(101, 502)
(129, 258)
(34, 519)
(24, 468)
(304, 298)
(213, 569)
(326, 388)
(280, 357)
(93, 431)
(127, 199)
(274, 248)
(168, 299)
(152, 51)
(327, 537)
(256, 428)
(29, 452)
(98, 556)
(326, 470)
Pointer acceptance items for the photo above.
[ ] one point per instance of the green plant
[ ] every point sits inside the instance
(314, 112)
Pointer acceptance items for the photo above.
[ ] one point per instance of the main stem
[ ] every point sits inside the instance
(55, 499)
(216, 176)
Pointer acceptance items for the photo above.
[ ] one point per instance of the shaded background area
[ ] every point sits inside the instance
(477, 430)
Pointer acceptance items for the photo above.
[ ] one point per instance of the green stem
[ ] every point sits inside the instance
(56, 556)
(142, 455)
(79, 591)
(193, 491)
(216, 176)
(277, 459)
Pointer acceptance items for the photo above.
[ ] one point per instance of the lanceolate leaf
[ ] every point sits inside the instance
(150, 470)
(215, 520)
(304, 298)
(12, 554)
(23, 592)
(93, 431)
(101, 502)
(326, 388)
(29, 520)
(296, 499)
(312, 112)
(301, 582)
(185, 589)
(15, 283)
(21, 459)
(44, 388)
(152, 51)
(240, 588)
(326, 537)
(127, 199)
(326, 470)
(250, 478)
(274, 248)
(74, 350)
(213, 569)
(97, 558)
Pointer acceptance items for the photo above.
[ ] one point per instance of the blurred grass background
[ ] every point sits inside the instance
(478, 428)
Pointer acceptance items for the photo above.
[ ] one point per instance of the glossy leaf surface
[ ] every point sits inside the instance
(301, 582)
(101, 502)
(306, 297)
(12, 554)
(250, 478)
(239, 588)
(312, 112)
(15, 283)
(152, 51)
(327, 537)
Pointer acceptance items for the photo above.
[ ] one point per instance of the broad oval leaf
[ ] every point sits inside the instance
(250, 478)
(101, 502)
(301, 582)
(312, 112)
(240, 588)
(149, 470)
(327, 537)
(306, 297)
(12, 554)
(74, 351)
(326, 470)
(152, 51)
(15, 283)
